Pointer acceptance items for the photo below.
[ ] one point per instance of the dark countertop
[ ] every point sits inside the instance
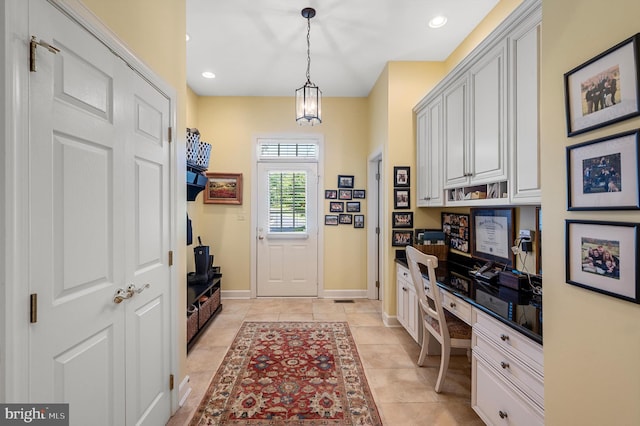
(519, 309)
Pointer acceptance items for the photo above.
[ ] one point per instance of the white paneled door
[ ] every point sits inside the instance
(99, 222)
(287, 246)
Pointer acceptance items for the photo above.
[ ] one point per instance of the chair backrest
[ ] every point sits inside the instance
(429, 301)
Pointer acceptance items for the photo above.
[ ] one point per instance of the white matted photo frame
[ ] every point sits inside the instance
(605, 89)
(401, 199)
(603, 174)
(401, 176)
(402, 219)
(358, 221)
(603, 257)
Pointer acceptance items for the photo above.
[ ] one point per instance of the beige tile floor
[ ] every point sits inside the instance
(403, 391)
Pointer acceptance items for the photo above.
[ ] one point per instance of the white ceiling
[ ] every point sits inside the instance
(258, 47)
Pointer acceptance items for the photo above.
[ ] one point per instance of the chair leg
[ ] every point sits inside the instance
(426, 337)
(444, 365)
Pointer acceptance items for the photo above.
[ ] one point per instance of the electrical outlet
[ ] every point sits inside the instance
(525, 234)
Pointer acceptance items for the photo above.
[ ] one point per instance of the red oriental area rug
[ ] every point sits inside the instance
(289, 373)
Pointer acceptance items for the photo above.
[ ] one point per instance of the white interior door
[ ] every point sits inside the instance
(98, 221)
(287, 246)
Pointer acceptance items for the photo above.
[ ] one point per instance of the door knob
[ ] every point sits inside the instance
(261, 237)
(132, 288)
(122, 294)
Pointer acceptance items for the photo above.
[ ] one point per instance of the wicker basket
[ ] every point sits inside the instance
(192, 322)
(441, 251)
(215, 300)
(205, 310)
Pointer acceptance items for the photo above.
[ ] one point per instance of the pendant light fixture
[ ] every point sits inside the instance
(309, 96)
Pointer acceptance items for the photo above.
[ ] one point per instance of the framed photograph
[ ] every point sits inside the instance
(401, 238)
(358, 193)
(358, 221)
(330, 194)
(603, 173)
(346, 219)
(345, 181)
(336, 206)
(401, 199)
(353, 206)
(223, 188)
(603, 90)
(493, 234)
(456, 229)
(401, 176)
(331, 219)
(345, 194)
(603, 257)
(402, 220)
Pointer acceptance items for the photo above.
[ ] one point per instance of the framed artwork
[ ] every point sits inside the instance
(345, 181)
(401, 238)
(604, 89)
(330, 194)
(401, 199)
(331, 219)
(402, 220)
(345, 194)
(400, 176)
(353, 206)
(456, 229)
(346, 219)
(493, 234)
(358, 221)
(359, 193)
(223, 188)
(603, 173)
(602, 256)
(336, 206)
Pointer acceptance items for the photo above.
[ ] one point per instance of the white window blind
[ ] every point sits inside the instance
(288, 201)
(280, 151)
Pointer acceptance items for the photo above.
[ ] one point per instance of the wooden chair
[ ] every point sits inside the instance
(455, 333)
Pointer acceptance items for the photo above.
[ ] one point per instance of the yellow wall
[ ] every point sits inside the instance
(230, 124)
(592, 341)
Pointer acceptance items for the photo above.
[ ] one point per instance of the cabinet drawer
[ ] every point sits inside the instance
(456, 306)
(499, 403)
(508, 366)
(509, 340)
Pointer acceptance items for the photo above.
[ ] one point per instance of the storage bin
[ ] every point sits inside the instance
(205, 310)
(192, 322)
(193, 145)
(441, 251)
(215, 300)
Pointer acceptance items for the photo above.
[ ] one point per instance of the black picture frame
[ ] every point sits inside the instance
(602, 174)
(586, 103)
(345, 219)
(359, 193)
(345, 194)
(345, 181)
(353, 206)
(401, 238)
(401, 199)
(358, 221)
(457, 229)
(336, 206)
(402, 219)
(401, 176)
(330, 194)
(603, 257)
(331, 219)
(493, 232)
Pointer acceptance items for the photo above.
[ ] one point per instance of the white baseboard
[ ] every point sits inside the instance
(184, 390)
(390, 320)
(344, 294)
(235, 294)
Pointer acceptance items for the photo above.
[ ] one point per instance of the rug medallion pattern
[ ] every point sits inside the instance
(295, 373)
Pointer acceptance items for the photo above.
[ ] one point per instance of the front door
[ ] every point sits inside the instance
(287, 246)
(99, 222)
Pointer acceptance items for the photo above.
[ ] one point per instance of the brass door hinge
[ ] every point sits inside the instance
(170, 381)
(32, 51)
(33, 308)
(170, 257)
(377, 284)
(170, 134)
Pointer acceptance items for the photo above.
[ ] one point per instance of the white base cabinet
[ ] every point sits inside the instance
(407, 300)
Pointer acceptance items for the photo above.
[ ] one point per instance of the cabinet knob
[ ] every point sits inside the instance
(502, 414)
(453, 305)
(504, 364)
(405, 274)
(504, 337)
(404, 289)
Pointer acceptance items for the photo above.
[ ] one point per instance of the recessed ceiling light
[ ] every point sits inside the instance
(438, 22)
(208, 74)
(188, 37)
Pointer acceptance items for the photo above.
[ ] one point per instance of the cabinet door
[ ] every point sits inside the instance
(488, 117)
(401, 293)
(429, 149)
(413, 315)
(455, 133)
(525, 176)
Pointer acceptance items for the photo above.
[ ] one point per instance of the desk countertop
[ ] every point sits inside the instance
(520, 310)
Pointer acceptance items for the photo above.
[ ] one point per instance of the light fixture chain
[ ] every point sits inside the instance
(308, 49)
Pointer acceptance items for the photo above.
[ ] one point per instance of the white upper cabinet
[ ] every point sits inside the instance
(430, 191)
(456, 142)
